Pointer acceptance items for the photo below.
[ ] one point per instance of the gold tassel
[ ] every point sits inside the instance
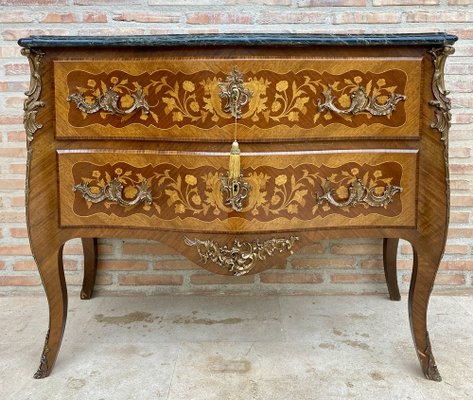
(234, 164)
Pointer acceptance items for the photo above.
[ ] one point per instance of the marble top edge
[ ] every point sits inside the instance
(237, 39)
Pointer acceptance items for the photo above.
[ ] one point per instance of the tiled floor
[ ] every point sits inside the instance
(236, 347)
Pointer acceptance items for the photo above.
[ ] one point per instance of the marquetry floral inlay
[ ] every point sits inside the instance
(293, 192)
(305, 98)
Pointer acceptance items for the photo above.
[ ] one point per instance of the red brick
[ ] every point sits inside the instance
(459, 152)
(17, 201)
(17, 169)
(461, 201)
(19, 232)
(357, 278)
(10, 52)
(460, 233)
(366, 18)
(264, 2)
(464, 118)
(123, 265)
(372, 264)
(147, 17)
(143, 280)
(19, 281)
(9, 120)
(361, 249)
(457, 249)
(201, 279)
(72, 249)
(106, 2)
(319, 262)
(459, 2)
(32, 2)
(12, 184)
(105, 249)
(463, 102)
(13, 152)
(305, 17)
(10, 216)
(14, 86)
(457, 265)
(331, 3)
(94, 17)
(15, 17)
(274, 277)
(17, 69)
(466, 34)
(404, 264)
(460, 217)
(425, 16)
(30, 265)
(209, 18)
(15, 250)
(110, 32)
(459, 185)
(450, 279)
(15, 34)
(169, 265)
(405, 2)
(14, 102)
(461, 169)
(76, 279)
(192, 3)
(314, 248)
(16, 136)
(2, 265)
(459, 69)
(60, 17)
(156, 248)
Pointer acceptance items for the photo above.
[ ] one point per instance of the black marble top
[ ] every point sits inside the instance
(237, 39)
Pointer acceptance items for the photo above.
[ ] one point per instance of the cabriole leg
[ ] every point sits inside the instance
(52, 275)
(426, 263)
(89, 247)
(389, 261)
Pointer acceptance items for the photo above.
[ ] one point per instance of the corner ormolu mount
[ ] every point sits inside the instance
(32, 103)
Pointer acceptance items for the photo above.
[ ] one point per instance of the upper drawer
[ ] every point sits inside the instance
(292, 99)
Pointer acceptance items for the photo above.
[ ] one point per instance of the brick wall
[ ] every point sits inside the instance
(136, 266)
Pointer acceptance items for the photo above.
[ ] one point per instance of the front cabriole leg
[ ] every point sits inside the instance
(52, 274)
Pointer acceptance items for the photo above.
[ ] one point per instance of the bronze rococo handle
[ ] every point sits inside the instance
(234, 91)
(108, 102)
(358, 193)
(113, 192)
(360, 102)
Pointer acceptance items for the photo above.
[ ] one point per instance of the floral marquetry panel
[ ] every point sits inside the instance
(316, 189)
(175, 99)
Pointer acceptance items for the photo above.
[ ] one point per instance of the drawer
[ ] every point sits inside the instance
(289, 191)
(292, 99)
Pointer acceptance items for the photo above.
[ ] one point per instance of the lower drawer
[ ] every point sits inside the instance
(289, 191)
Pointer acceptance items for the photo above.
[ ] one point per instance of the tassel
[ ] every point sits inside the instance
(234, 164)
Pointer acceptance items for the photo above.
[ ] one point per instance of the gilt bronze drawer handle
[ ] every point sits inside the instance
(113, 191)
(358, 193)
(360, 102)
(108, 102)
(235, 93)
(241, 257)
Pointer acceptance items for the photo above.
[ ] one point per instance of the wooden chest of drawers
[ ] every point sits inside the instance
(338, 136)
